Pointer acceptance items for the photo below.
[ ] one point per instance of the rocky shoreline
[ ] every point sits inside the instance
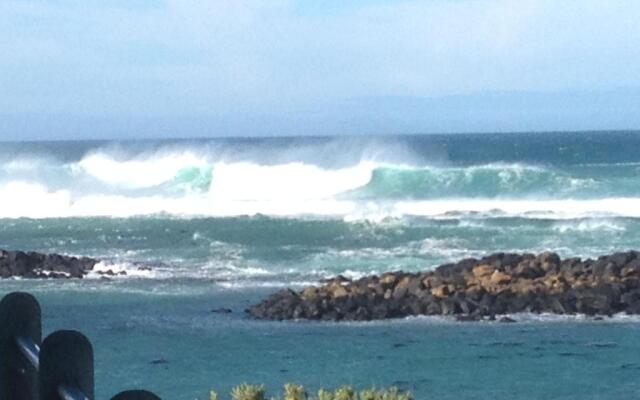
(39, 265)
(472, 289)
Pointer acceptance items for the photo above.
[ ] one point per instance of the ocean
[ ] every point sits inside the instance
(224, 222)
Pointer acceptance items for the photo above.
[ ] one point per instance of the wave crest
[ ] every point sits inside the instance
(488, 181)
(191, 182)
(142, 172)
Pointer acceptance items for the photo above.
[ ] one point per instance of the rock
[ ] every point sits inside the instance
(482, 270)
(432, 281)
(388, 279)
(507, 320)
(280, 305)
(548, 261)
(467, 318)
(339, 279)
(458, 269)
(399, 293)
(528, 270)
(442, 291)
(416, 288)
(631, 297)
(448, 306)
(498, 284)
(39, 265)
(525, 286)
(222, 311)
(500, 278)
(402, 287)
(554, 283)
(337, 291)
(309, 292)
(432, 308)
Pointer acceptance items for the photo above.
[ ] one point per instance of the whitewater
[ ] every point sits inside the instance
(269, 212)
(375, 179)
(191, 226)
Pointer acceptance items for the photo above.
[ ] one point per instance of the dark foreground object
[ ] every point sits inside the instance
(472, 289)
(39, 265)
(60, 367)
(19, 317)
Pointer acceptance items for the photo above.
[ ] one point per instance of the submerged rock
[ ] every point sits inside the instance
(222, 311)
(39, 265)
(472, 289)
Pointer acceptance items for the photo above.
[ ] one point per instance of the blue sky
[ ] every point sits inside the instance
(167, 68)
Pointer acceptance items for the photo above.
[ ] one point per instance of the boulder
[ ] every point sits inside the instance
(40, 265)
(498, 284)
(483, 270)
(500, 278)
(442, 291)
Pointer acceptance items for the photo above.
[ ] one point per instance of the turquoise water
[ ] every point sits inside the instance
(223, 223)
(134, 324)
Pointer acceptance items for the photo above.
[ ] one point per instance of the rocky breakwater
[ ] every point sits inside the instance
(39, 265)
(472, 289)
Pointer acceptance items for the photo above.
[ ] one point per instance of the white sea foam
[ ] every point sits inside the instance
(451, 248)
(590, 225)
(23, 199)
(141, 172)
(521, 318)
(231, 271)
(238, 285)
(560, 318)
(19, 165)
(554, 208)
(284, 183)
(124, 270)
(107, 183)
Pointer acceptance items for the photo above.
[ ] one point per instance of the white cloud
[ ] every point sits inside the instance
(212, 58)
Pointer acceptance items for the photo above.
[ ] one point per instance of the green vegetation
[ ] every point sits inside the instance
(294, 391)
(248, 392)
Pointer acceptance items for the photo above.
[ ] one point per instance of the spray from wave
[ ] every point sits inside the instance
(206, 181)
(144, 172)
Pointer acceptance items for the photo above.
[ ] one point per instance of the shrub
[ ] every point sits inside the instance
(345, 393)
(369, 394)
(293, 391)
(248, 392)
(394, 394)
(324, 395)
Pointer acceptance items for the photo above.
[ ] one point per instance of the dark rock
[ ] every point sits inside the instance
(222, 311)
(467, 318)
(470, 290)
(338, 280)
(528, 269)
(39, 265)
(448, 307)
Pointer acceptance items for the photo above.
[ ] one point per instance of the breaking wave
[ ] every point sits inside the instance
(192, 182)
(484, 181)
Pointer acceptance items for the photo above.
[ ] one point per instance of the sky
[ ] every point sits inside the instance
(186, 68)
